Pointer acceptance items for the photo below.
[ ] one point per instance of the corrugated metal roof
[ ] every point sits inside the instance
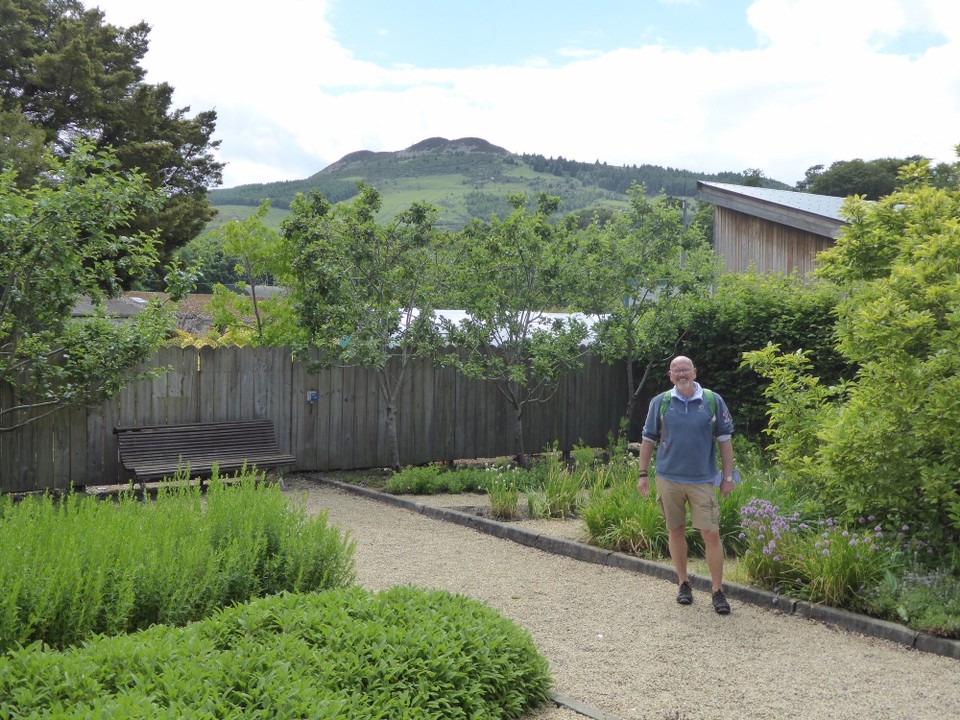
(823, 205)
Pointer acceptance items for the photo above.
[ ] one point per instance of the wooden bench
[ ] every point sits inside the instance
(154, 452)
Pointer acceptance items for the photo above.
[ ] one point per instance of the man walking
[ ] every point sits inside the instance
(685, 425)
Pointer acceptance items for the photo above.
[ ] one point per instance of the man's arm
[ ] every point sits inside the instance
(643, 481)
(726, 461)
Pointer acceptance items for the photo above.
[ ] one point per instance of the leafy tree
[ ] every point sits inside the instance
(216, 267)
(21, 147)
(76, 78)
(361, 290)
(871, 179)
(261, 258)
(753, 177)
(60, 240)
(506, 274)
(644, 270)
(889, 445)
(748, 311)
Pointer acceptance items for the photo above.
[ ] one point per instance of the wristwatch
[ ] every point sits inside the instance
(728, 478)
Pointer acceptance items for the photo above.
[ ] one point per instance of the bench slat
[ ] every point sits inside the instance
(157, 451)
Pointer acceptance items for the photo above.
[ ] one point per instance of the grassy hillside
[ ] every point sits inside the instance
(226, 213)
(467, 178)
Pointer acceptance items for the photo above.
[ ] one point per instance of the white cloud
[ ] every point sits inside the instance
(819, 87)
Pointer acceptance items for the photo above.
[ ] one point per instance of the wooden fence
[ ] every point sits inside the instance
(440, 415)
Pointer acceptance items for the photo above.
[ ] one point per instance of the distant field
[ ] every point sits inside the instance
(451, 193)
(226, 213)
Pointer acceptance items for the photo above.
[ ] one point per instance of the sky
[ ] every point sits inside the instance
(701, 85)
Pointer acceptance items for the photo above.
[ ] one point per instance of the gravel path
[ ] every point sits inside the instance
(617, 642)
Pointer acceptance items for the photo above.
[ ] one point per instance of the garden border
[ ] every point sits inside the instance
(845, 619)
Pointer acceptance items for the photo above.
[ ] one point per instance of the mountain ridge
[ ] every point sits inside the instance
(470, 177)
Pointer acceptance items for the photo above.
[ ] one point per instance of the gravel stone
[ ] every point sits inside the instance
(617, 641)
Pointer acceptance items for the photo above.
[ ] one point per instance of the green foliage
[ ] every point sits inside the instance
(504, 492)
(506, 274)
(618, 517)
(361, 290)
(78, 80)
(888, 443)
(74, 568)
(401, 653)
(671, 181)
(798, 406)
(261, 258)
(436, 479)
(23, 148)
(61, 240)
(555, 490)
(583, 456)
(642, 273)
(821, 562)
(870, 179)
(927, 601)
(746, 313)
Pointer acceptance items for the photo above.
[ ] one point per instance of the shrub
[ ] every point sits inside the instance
(436, 479)
(557, 490)
(402, 653)
(820, 562)
(618, 518)
(504, 495)
(583, 457)
(82, 566)
(748, 311)
(926, 600)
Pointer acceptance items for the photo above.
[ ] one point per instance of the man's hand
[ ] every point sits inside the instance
(643, 485)
(726, 486)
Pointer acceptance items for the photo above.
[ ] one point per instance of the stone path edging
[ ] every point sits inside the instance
(845, 619)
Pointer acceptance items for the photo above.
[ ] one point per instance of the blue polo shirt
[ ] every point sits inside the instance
(687, 442)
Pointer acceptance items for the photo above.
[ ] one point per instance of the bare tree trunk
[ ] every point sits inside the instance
(392, 437)
(522, 459)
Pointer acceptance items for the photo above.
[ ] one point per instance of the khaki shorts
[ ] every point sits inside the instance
(702, 497)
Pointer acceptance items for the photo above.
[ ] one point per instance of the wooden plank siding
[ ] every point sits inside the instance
(745, 241)
(442, 416)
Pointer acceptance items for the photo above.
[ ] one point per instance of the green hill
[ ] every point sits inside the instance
(467, 178)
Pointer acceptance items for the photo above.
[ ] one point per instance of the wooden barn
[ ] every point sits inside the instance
(771, 230)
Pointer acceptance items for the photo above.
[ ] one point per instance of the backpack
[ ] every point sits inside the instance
(708, 397)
